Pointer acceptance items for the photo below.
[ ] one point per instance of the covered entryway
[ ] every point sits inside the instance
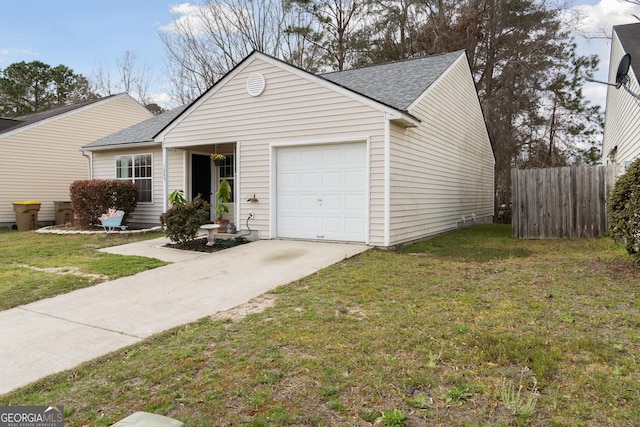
(322, 192)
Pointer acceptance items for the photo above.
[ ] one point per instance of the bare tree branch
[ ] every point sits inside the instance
(132, 79)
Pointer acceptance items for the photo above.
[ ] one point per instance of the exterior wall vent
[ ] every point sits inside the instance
(256, 84)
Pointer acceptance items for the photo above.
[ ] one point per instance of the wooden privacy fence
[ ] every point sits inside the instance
(565, 202)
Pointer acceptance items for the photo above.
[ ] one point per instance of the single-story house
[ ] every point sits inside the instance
(622, 120)
(41, 154)
(383, 155)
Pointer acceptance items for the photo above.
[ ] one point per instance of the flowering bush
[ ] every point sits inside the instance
(92, 198)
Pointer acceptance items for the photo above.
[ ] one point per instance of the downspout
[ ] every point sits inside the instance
(387, 180)
(165, 179)
(89, 163)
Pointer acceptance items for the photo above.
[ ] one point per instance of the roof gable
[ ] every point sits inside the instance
(25, 122)
(397, 84)
(629, 36)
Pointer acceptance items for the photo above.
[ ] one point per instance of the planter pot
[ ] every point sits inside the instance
(218, 162)
(223, 225)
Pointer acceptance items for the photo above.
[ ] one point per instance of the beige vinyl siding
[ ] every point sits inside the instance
(444, 168)
(39, 162)
(292, 109)
(176, 175)
(104, 167)
(622, 124)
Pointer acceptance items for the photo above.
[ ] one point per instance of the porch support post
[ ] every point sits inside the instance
(165, 179)
(238, 200)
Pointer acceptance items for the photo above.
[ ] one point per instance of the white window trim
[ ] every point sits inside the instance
(132, 156)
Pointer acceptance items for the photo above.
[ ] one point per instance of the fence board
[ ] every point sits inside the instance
(566, 202)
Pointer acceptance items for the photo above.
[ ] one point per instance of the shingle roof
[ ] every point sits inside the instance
(6, 123)
(144, 131)
(629, 36)
(396, 84)
(18, 122)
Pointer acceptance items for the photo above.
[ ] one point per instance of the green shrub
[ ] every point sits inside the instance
(624, 209)
(182, 221)
(92, 198)
(224, 196)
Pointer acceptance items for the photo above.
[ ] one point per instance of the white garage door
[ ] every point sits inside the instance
(322, 192)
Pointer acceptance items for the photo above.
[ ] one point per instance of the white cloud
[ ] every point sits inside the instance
(594, 24)
(162, 99)
(598, 19)
(597, 93)
(185, 14)
(201, 19)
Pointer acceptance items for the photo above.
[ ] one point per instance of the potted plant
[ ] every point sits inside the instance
(177, 198)
(218, 159)
(223, 197)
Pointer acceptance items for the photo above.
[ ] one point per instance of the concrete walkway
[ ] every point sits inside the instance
(56, 334)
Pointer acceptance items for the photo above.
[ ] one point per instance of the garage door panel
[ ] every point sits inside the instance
(309, 180)
(333, 179)
(333, 202)
(309, 202)
(310, 157)
(332, 224)
(332, 155)
(289, 181)
(309, 225)
(288, 161)
(288, 223)
(288, 202)
(355, 203)
(354, 227)
(357, 179)
(328, 199)
(355, 156)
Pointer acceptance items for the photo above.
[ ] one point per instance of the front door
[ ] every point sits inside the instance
(201, 176)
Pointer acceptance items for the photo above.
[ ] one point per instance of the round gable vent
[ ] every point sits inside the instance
(256, 84)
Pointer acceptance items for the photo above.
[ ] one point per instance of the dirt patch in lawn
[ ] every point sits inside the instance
(256, 305)
(75, 271)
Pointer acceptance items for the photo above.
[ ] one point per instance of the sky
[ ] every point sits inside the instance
(86, 35)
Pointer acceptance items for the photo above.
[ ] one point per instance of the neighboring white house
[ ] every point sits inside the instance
(622, 121)
(382, 155)
(41, 154)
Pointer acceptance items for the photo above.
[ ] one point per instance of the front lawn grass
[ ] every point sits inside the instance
(469, 329)
(35, 266)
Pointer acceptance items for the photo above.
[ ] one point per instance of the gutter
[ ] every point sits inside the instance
(117, 146)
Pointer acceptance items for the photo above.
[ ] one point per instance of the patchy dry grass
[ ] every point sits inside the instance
(35, 266)
(469, 329)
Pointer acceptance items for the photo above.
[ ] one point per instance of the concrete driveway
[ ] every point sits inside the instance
(56, 334)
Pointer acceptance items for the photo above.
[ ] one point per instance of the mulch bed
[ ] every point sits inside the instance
(200, 245)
